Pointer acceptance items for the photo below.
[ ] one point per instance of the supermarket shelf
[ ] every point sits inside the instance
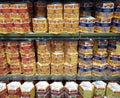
(52, 77)
(38, 36)
(100, 35)
(63, 36)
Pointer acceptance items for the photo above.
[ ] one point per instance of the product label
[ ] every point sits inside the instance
(105, 9)
(84, 69)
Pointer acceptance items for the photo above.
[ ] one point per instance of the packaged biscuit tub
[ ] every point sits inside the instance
(43, 69)
(57, 45)
(71, 45)
(43, 89)
(43, 46)
(4, 70)
(86, 8)
(86, 47)
(56, 26)
(99, 88)
(29, 70)
(15, 69)
(113, 90)
(86, 89)
(117, 9)
(3, 90)
(71, 90)
(44, 58)
(70, 70)
(115, 27)
(71, 57)
(103, 25)
(5, 7)
(14, 89)
(57, 69)
(40, 25)
(55, 10)
(40, 8)
(71, 10)
(71, 26)
(87, 24)
(27, 90)
(57, 90)
(57, 58)
(84, 71)
(104, 9)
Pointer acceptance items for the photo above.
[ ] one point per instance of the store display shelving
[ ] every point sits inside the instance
(53, 77)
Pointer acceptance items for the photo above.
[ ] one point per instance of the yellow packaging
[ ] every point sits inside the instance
(15, 69)
(70, 70)
(58, 58)
(14, 90)
(57, 46)
(28, 90)
(43, 69)
(3, 90)
(55, 11)
(103, 25)
(56, 26)
(71, 11)
(71, 26)
(87, 24)
(57, 69)
(71, 58)
(29, 70)
(40, 8)
(104, 9)
(44, 58)
(4, 70)
(40, 25)
(20, 15)
(117, 9)
(115, 28)
(43, 46)
(22, 30)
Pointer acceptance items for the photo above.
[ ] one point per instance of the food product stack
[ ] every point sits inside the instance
(100, 58)
(3, 90)
(43, 57)
(71, 58)
(4, 68)
(28, 59)
(104, 15)
(71, 17)
(57, 62)
(85, 57)
(13, 57)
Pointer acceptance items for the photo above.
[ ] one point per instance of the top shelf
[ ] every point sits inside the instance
(60, 36)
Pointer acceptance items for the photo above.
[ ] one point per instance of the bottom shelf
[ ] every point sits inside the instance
(53, 77)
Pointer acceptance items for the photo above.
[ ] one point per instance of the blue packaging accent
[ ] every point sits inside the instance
(103, 24)
(105, 9)
(113, 69)
(84, 69)
(87, 59)
(116, 24)
(114, 58)
(117, 9)
(100, 57)
(87, 24)
(102, 46)
(99, 69)
(85, 47)
(86, 8)
(112, 46)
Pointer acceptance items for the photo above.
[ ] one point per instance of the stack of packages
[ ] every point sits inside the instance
(28, 59)
(14, 90)
(71, 17)
(55, 17)
(44, 57)
(71, 58)
(21, 17)
(6, 23)
(40, 23)
(104, 15)
(86, 8)
(13, 57)
(100, 58)
(116, 19)
(4, 68)
(85, 57)
(57, 62)
(114, 58)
